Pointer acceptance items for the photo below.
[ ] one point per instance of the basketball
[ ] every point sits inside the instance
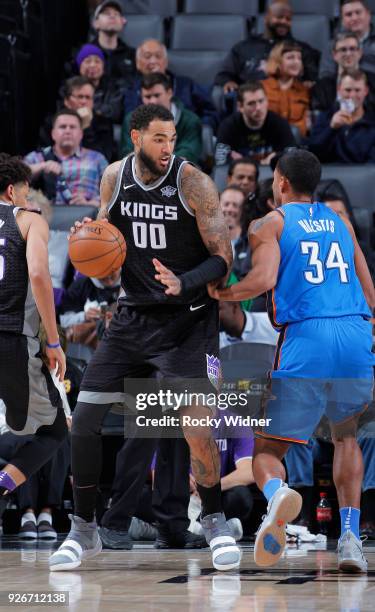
(97, 249)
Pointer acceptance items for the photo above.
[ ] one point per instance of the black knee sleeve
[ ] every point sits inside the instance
(87, 443)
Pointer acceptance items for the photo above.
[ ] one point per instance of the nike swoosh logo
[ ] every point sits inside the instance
(196, 307)
(128, 186)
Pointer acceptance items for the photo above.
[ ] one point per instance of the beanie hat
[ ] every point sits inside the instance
(86, 51)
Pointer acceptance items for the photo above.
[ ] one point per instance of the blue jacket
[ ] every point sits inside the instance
(194, 97)
(354, 144)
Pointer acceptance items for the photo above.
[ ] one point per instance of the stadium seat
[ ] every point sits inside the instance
(358, 180)
(201, 66)
(216, 32)
(330, 8)
(234, 7)
(312, 29)
(246, 360)
(219, 176)
(140, 27)
(164, 8)
(63, 217)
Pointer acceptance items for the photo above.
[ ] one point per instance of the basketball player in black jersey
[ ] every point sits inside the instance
(33, 404)
(166, 325)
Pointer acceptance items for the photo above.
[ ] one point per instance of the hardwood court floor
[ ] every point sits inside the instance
(162, 581)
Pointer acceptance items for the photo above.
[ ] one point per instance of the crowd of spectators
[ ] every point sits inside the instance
(272, 92)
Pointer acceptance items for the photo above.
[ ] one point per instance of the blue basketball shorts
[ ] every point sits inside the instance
(322, 367)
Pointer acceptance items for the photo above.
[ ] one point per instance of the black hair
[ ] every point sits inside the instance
(244, 160)
(257, 205)
(143, 115)
(13, 171)
(363, 2)
(156, 78)
(301, 168)
(250, 86)
(74, 83)
(66, 111)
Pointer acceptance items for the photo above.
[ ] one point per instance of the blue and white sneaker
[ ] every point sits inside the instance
(283, 507)
(225, 553)
(82, 542)
(350, 554)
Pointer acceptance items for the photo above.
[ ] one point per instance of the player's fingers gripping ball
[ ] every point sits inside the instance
(96, 249)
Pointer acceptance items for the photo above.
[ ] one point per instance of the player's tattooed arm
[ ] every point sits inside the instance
(201, 195)
(107, 187)
(264, 235)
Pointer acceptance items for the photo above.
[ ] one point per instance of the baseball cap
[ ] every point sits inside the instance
(103, 5)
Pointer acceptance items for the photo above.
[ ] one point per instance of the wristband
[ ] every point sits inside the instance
(57, 345)
(211, 269)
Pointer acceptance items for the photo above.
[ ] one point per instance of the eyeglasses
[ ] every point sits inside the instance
(346, 49)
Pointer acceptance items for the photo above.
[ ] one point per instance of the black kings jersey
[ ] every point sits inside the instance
(155, 221)
(18, 312)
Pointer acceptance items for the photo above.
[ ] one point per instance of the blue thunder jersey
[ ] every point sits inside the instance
(317, 276)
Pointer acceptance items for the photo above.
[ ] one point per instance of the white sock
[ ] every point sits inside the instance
(28, 516)
(45, 516)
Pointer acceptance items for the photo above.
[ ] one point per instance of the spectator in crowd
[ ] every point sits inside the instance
(243, 172)
(264, 201)
(97, 130)
(342, 206)
(355, 18)
(247, 59)
(232, 201)
(66, 172)
(346, 133)
(108, 23)
(347, 54)
(236, 445)
(87, 307)
(254, 131)
(337, 205)
(109, 92)
(152, 56)
(156, 88)
(287, 95)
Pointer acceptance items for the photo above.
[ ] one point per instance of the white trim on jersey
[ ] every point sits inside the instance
(180, 194)
(118, 184)
(151, 185)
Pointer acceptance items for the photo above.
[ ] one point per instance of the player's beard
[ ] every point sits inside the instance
(150, 164)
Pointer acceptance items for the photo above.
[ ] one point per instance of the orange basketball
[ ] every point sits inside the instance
(97, 249)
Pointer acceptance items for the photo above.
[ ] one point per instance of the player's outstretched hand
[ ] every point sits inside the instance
(56, 357)
(166, 277)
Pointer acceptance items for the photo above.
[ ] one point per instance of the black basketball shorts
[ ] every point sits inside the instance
(26, 387)
(174, 345)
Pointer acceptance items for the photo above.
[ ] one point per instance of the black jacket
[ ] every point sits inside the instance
(244, 61)
(323, 94)
(120, 62)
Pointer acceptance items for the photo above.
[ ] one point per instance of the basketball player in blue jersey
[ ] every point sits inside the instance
(33, 404)
(321, 298)
(166, 325)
